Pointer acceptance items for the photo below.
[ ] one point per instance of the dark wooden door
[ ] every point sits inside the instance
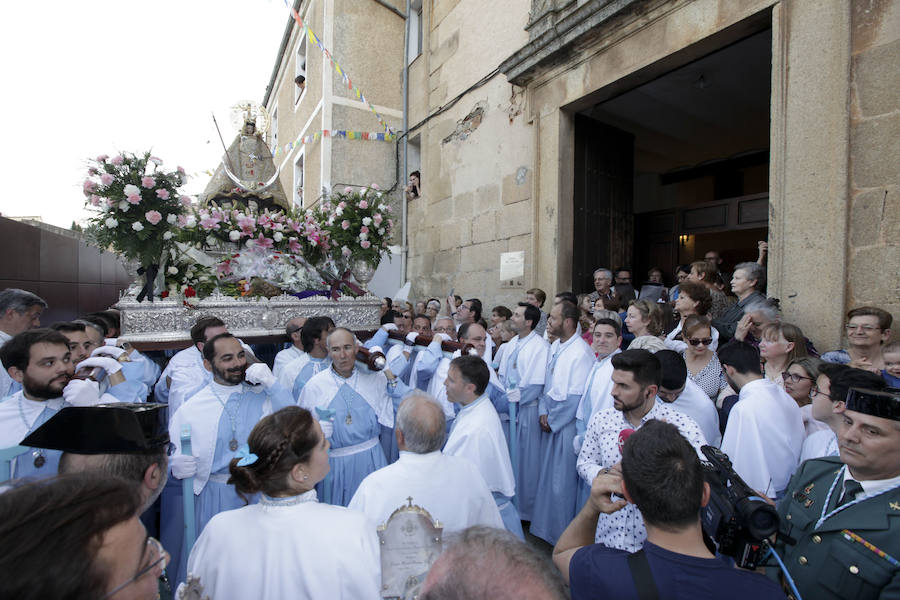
(603, 233)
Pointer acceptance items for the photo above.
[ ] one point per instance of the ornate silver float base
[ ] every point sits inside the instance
(169, 320)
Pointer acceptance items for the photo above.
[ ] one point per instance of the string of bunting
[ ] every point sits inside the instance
(388, 134)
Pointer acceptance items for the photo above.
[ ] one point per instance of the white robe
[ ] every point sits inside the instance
(437, 390)
(450, 488)
(289, 372)
(321, 389)
(694, 403)
(478, 436)
(288, 548)
(284, 357)
(764, 436)
(531, 361)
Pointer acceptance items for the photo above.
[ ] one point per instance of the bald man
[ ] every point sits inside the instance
(450, 488)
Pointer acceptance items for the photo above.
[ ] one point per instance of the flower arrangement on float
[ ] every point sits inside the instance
(136, 207)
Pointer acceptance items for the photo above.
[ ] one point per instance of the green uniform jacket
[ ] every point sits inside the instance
(828, 562)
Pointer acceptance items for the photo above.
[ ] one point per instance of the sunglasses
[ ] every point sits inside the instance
(698, 341)
(793, 377)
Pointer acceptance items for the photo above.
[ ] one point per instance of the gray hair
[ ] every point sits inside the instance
(753, 271)
(603, 270)
(483, 562)
(130, 467)
(19, 300)
(421, 420)
(767, 308)
(93, 326)
(603, 313)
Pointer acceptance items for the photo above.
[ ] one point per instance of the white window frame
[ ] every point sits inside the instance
(297, 189)
(273, 129)
(300, 68)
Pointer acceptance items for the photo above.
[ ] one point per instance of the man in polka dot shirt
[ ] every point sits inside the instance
(636, 378)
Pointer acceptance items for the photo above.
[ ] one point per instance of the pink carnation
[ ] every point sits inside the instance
(95, 199)
(162, 194)
(102, 158)
(153, 217)
(88, 187)
(363, 204)
(185, 200)
(106, 179)
(117, 160)
(148, 182)
(345, 224)
(180, 170)
(374, 186)
(348, 189)
(134, 199)
(346, 251)
(365, 244)
(377, 219)
(364, 229)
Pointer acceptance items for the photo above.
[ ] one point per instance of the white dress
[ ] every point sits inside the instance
(288, 548)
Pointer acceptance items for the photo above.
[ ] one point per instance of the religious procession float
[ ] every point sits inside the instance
(241, 251)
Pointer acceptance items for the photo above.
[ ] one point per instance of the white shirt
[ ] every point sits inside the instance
(810, 423)
(694, 403)
(820, 444)
(624, 529)
(764, 436)
(478, 435)
(284, 357)
(450, 488)
(288, 548)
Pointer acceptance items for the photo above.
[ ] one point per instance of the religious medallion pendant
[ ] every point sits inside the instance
(348, 420)
(39, 460)
(233, 445)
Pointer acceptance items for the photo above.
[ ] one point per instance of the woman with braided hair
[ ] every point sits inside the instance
(288, 545)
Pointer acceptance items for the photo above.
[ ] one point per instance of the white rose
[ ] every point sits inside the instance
(278, 236)
(131, 190)
(363, 236)
(111, 223)
(172, 270)
(367, 221)
(172, 218)
(137, 226)
(167, 235)
(234, 235)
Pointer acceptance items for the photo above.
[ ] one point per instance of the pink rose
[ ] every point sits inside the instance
(117, 160)
(102, 158)
(345, 224)
(377, 219)
(162, 194)
(363, 204)
(364, 229)
(153, 217)
(148, 182)
(106, 179)
(365, 244)
(185, 200)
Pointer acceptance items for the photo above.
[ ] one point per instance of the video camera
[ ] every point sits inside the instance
(737, 520)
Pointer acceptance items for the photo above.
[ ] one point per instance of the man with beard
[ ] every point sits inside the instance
(39, 360)
(352, 405)
(565, 378)
(221, 416)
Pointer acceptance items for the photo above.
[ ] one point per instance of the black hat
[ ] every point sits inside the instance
(116, 428)
(878, 403)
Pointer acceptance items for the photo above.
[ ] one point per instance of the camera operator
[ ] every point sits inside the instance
(662, 475)
(843, 514)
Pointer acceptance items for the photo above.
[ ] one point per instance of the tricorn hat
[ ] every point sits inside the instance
(878, 403)
(115, 428)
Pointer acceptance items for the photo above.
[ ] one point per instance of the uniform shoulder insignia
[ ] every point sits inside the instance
(895, 505)
(809, 488)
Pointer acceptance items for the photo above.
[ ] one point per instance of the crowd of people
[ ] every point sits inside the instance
(579, 420)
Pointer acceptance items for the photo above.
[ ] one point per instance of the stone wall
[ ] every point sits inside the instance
(477, 156)
(874, 187)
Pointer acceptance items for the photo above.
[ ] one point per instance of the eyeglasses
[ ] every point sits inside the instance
(815, 391)
(293, 331)
(158, 558)
(447, 329)
(863, 328)
(698, 341)
(794, 378)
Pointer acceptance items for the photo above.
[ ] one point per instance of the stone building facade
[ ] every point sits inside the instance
(366, 39)
(510, 100)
